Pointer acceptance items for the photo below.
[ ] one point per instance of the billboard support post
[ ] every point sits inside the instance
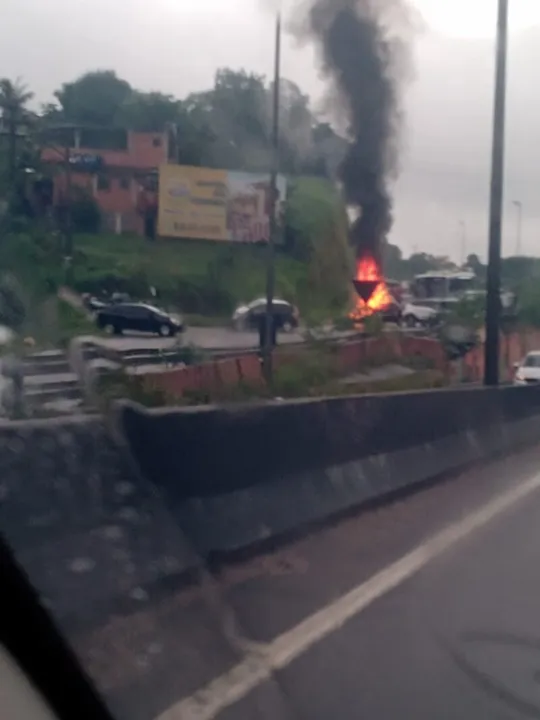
(273, 220)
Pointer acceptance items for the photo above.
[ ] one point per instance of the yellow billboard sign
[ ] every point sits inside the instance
(192, 202)
(202, 203)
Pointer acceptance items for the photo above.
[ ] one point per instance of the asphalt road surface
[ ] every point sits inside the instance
(425, 608)
(211, 338)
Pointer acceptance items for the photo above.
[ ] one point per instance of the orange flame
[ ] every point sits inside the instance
(367, 269)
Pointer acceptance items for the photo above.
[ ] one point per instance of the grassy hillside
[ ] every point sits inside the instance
(200, 277)
(313, 267)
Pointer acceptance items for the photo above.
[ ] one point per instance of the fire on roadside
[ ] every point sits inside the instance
(371, 289)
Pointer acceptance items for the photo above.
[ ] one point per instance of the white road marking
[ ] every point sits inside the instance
(259, 665)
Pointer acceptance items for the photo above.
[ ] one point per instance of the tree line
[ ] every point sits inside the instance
(227, 126)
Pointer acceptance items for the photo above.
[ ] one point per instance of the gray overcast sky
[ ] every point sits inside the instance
(176, 45)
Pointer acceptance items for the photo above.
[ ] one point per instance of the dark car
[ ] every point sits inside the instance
(141, 318)
(246, 317)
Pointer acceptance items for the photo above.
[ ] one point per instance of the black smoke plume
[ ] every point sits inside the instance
(365, 54)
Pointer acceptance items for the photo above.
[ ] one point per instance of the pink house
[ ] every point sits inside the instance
(123, 180)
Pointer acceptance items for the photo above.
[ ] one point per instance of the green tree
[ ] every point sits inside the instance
(296, 122)
(475, 265)
(14, 98)
(239, 121)
(194, 137)
(469, 312)
(307, 147)
(227, 126)
(148, 111)
(419, 263)
(516, 271)
(95, 98)
(422, 262)
(328, 150)
(12, 307)
(317, 234)
(529, 303)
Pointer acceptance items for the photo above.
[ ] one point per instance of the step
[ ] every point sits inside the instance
(44, 368)
(62, 380)
(42, 394)
(58, 407)
(46, 356)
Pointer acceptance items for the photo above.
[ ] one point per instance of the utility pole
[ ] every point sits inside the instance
(12, 147)
(273, 221)
(493, 302)
(463, 232)
(68, 229)
(519, 207)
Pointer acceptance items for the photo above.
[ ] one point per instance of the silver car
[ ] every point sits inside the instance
(528, 370)
(246, 317)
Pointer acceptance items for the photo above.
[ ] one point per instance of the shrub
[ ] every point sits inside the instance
(374, 324)
(72, 322)
(85, 215)
(12, 306)
(302, 376)
(120, 385)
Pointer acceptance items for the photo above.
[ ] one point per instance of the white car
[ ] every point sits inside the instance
(418, 315)
(528, 370)
(246, 316)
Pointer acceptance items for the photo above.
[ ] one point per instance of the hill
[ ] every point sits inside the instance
(313, 262)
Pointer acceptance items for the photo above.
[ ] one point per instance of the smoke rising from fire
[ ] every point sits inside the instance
(365, 54)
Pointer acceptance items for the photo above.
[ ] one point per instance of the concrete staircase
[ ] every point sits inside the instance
(50, 385)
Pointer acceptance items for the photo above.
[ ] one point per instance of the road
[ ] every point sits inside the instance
(206, 338)
(424, 608)
(211, 338)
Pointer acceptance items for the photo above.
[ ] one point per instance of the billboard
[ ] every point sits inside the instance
(210, 204)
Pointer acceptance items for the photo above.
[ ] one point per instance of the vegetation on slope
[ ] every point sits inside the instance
(313, 265)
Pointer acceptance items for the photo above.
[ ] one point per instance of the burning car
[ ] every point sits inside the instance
(373, 293)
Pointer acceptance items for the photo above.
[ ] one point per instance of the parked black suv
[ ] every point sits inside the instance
(142, 318)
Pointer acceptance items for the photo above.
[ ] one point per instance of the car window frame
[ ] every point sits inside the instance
(40, 650)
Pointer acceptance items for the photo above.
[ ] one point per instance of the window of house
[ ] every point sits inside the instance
(103, 182)
(156, 142)
(124, 183)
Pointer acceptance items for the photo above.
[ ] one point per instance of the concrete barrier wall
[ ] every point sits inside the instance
(90, 532)
(235, 476)
(348, 357)
(204, 451)
(98, 527)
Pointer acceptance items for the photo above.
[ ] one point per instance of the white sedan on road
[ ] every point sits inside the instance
(528, 370)
(246, 316)
(414, 315)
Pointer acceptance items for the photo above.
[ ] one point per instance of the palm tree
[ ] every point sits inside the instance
(14, 96)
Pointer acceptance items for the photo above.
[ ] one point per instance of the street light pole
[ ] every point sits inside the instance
(463, 228)
(12, 149)
(68, 228)
(272, 210)
(519, 206)
(493, 301)
(65, 220)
